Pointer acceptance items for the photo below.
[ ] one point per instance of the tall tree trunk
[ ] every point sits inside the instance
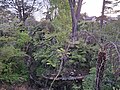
(74, 21)
(102, 15)
(79, 9)
(75, 14)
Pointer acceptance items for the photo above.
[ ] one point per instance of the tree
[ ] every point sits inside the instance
(115, 4)
(59, 12)
(6, 16)
(75, 7)
(22, 8)
(104, 8)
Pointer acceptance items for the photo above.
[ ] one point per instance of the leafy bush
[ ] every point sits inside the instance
(89, 81)
(12, 66)
(22, 38)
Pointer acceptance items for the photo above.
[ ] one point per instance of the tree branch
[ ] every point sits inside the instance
(79, 9)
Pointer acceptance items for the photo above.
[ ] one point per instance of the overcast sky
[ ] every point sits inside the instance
(92, 7)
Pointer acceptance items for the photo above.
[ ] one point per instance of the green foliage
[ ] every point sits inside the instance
(12, 66)
(62, 22)
(88, 25)
(89, 80)
(7, 39)
(13, 72)
(47, 56)
(41, 70)
(109, 81)
(8, 52)
(22, 38)
(62, 27)
(111, 31)
(75, 87)
(78, 55)
(49, 43)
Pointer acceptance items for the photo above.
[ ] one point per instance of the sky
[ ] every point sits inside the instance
(94, 8)
(91, 7)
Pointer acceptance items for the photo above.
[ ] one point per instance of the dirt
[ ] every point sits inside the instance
(23, 86)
